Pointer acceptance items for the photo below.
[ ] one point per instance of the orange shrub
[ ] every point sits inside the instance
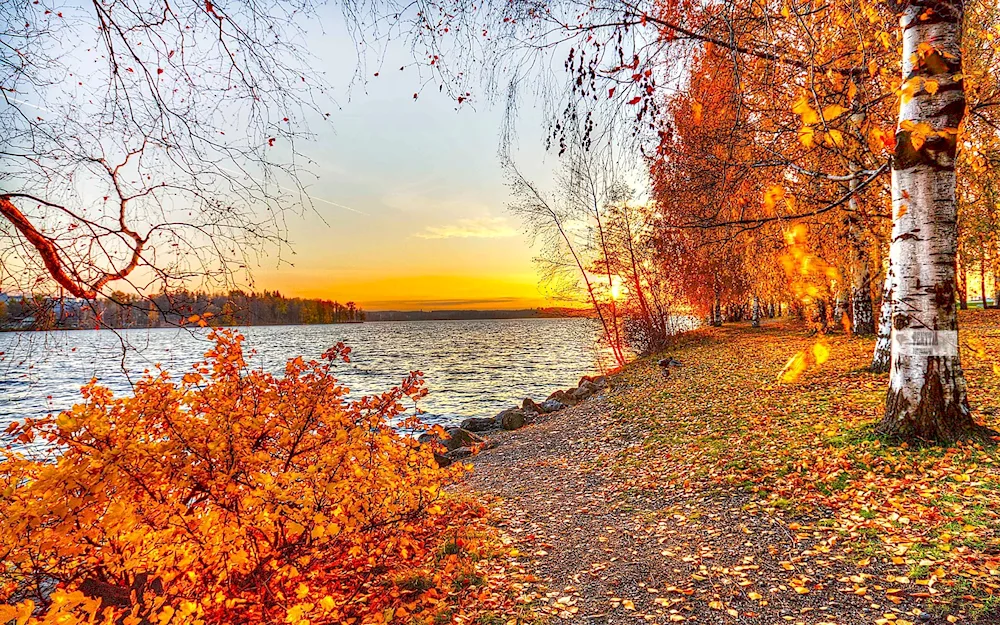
(231, 496)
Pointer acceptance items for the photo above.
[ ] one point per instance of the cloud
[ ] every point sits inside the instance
(480, 228)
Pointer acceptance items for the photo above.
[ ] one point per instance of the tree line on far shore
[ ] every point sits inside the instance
(124, 310)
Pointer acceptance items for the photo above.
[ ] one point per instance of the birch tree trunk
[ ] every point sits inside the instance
(755, 312)
(862, 315)
(926, 399)
(883, 346)
(840, 308)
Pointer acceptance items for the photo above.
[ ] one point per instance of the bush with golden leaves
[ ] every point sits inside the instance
(230, 496)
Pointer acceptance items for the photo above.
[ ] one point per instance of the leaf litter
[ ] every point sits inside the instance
(721, 494)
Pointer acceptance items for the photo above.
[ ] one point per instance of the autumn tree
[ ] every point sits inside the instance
(834, 67)
(227, 495)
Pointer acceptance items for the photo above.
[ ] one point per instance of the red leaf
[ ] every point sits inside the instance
(635, 100)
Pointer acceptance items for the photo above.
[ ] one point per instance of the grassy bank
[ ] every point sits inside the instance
(716, 493)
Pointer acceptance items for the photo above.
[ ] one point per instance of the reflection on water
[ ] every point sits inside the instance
(472, 368)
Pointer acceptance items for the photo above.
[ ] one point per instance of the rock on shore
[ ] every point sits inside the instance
(463, 441)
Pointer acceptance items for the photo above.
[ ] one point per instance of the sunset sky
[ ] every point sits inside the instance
(412, 196)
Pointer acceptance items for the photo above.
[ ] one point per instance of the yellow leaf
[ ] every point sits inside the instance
(807, 136)
(908, 89)
(789, 373)
(821, 353)
(806, 112)
(931, 86)
(833, 112)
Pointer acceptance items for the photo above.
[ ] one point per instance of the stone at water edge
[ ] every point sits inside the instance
(551, 405)
(458, 454)
(529, 405)
(457, 438)
(584, 391)
(480, 424)
(512, 419)
(564, 397)
(599, 381)
(442, 460)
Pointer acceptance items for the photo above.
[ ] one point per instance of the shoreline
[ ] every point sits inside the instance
(475, 434)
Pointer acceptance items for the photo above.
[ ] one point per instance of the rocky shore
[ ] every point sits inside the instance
(454, 443)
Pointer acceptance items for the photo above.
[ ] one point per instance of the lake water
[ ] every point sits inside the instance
(472, 368)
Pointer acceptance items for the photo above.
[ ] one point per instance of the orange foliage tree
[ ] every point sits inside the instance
(232, 496)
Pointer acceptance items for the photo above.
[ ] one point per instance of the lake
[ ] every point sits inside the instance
(472, 368)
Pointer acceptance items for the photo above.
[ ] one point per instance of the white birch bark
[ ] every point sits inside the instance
(839, 308)
(862, 316)
(755, 312)
(883, 345)
(927, 397)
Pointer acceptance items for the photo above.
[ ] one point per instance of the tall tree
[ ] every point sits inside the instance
(927, 395)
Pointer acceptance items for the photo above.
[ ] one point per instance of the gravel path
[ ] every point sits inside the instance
(608, 553)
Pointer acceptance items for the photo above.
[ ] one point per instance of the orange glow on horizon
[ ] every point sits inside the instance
(414, 292)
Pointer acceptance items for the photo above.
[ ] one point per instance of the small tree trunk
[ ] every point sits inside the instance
(883, 345)
(963, 286)
(982, 280)
(996, 285)
(821, 315)
(717, 309)
(755, 312)
(839, 308)
(862, 315)
(863, 319)
(926, 399)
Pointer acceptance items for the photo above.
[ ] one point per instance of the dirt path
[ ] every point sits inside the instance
(609, 552)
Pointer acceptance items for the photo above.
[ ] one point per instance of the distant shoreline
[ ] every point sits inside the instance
(371, 317)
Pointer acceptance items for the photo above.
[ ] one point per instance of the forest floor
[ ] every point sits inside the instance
(717, 494)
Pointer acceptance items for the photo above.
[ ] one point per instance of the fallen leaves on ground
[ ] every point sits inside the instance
(807, 454)
(721, 495)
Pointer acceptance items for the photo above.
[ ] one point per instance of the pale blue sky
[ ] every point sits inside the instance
(431, 227)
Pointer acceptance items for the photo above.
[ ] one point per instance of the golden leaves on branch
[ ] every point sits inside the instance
(811, 118)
